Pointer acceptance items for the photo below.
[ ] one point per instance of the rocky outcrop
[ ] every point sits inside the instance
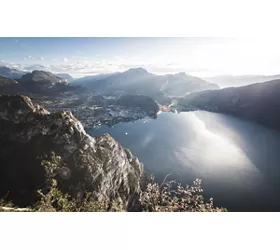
(19, 109)
(28, 133)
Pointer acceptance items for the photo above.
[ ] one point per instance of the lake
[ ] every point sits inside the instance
(237, 160)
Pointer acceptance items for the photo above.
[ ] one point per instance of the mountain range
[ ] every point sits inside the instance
(133, 81)
(37, 82)
(240, 80)
(142, 82)
(18, 74)
(257, 102)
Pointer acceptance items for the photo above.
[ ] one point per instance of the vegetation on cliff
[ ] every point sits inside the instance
(166, 197)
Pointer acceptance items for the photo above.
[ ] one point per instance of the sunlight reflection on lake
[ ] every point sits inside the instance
(238, 161)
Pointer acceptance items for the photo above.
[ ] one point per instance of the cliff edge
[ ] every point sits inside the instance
(29, 134)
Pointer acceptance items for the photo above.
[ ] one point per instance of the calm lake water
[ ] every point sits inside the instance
(238, 161)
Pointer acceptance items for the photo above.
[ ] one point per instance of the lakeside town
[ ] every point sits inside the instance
(96, 110)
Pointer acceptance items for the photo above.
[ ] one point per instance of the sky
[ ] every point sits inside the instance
(196, 56)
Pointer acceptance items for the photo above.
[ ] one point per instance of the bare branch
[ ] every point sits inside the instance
(165, 178)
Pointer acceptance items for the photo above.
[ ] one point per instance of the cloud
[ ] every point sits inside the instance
(84, 67)
(120, 58)
(11, 65)
(32, 67)
(33, 58)
(75, 57)
(101, 67)
(14, 65)
(27, 58)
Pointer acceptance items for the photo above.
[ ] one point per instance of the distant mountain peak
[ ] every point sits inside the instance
(181, 74)
(11, 73)
(44, 77)
(138, 70)
(68, 77)
(36, 71)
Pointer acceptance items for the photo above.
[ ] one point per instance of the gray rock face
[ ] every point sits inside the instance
(19, 108)
(96, 164)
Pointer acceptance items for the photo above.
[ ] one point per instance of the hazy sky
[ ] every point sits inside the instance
(196, 56)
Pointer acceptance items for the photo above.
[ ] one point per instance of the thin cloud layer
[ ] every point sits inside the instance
(202, 57)
(33, 58)
(82, 68)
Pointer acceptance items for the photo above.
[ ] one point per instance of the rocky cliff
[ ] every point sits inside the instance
(29, 134)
